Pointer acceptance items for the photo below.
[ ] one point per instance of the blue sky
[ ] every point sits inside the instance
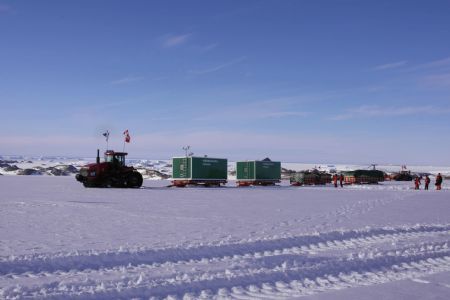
(307, 81)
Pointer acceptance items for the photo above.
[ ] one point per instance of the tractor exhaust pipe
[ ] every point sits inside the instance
(98, 156)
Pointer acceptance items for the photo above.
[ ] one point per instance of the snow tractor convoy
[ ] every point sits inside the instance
(111, 173)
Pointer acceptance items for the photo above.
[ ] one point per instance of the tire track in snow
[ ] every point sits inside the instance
(292, 276)
(308, 243)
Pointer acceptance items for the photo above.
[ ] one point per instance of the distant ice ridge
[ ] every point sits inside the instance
(60, 166)
(162, 169)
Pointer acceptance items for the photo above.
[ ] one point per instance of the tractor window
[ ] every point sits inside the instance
(117, 159)
(108, 158)
(120, 160)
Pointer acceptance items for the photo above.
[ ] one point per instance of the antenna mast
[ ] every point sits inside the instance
(186, 149)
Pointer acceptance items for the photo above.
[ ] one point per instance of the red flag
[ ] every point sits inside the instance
(127, 136)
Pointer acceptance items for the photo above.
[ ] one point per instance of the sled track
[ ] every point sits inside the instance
(295, 276)
(264, 269)
(306, 243)
(277, 282)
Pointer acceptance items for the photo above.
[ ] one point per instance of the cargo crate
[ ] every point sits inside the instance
(313, 177)
(258, 172)
(199, 170)
(363, 176)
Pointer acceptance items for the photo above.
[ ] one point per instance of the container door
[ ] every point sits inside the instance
(183, 168)
(246, 171)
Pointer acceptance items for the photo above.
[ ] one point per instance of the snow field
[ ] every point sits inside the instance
(62, 241)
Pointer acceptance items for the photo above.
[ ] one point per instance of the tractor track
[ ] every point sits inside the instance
(307, 243)
(295, 276)
(263, 269)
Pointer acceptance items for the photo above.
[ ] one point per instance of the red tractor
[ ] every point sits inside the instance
(111, 173)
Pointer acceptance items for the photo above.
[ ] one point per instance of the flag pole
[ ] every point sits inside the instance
(106, 135)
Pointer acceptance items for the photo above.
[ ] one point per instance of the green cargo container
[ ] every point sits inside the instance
(199, 170)
(258, 172)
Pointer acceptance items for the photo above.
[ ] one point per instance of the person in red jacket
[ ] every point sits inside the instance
(427, 182)
(417, 183)
(341, 180)
(438, 181)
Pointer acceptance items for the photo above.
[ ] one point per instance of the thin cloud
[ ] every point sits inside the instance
(159, 78)
(437, 80)
(277, 108)
(126, 80)
(377, 111)
(207, 48)
(175, 40)
(218, 68)
(5, 8)
(204, 142)
(436, 64)
(282, 114)
(226, 140)
(388, 66)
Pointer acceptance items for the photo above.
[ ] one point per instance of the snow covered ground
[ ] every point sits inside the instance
(59, 240)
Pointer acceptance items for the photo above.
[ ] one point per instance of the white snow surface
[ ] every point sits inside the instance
(59, 240)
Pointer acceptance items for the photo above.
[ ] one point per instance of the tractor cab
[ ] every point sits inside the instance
(115, 157)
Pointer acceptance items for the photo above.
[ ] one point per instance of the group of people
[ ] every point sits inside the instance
(438, 182)
(417, 182)
(336, 178)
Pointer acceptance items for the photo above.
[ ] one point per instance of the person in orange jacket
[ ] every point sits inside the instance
(417, 183)
(427, 182)
(341, 180)
(335, 178)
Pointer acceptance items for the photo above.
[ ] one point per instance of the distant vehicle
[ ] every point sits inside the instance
(111, 173)
(332, 169)
(403, 175)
